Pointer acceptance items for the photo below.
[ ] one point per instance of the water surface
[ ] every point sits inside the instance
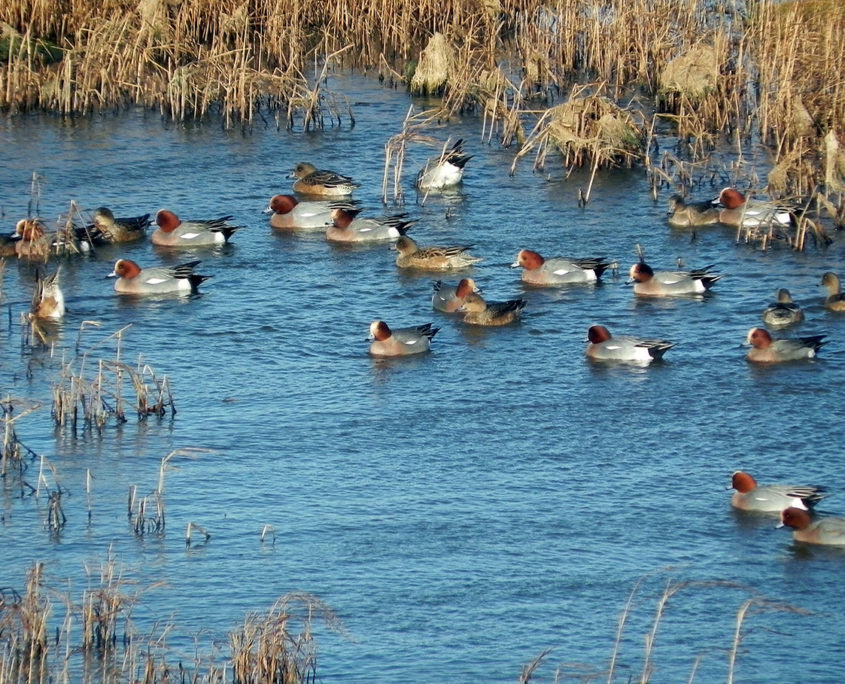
(461, 511)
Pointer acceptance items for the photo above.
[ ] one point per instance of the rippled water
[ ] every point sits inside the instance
(462, 511)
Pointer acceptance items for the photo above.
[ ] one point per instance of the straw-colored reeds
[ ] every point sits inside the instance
(279, 646)
(40, 641)
(764, 67)
(90, 394)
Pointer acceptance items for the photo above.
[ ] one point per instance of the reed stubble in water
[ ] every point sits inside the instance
(774, 68)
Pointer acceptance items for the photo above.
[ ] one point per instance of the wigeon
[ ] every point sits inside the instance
(835, 300)
(444, 171)
(321, 182)
(447, 298)
(32, 241)
(173, 232)
(603, 346)
(157, 280)
(478, 311)
(8, 244)
(539, 271)
(347, 227)
(772, 498)
(765, 349)
(432, 258)
(829, 531)
(784, 312)
(650, 283)
(48, 301)
(105, 229)
(685, 215)
(736, 211)
(291, 214)
(401, 341)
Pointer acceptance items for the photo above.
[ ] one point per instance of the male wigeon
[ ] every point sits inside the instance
(432, 258)
(650, 283)
(603, 346)
(173, 232)
(829, 531)
(444, 171)
(736, 210)
(32, 241)
(772, 498)
(557, 271)
(289, 213)
(448, 298)
(765, 349)
(156, 280)
(685, 215)
(835, 300)
(347, 227)
(401, 341)
(784, 312)
(48, 300)
(321, 182)
(478, 311)
(105, 229)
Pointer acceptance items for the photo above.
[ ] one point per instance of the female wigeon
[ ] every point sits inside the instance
(157, 280)
(606, 347)
(772, 498)
(173, 232)
(736, 211)
(444, 171)
(829, 531)
(291, 214)
(448, 299)
(685, 215)
(321, 182)
(347, 227)
(401, 341)
(32, 241)
(650, 283)
(48, 301)
(105, 229)
(556, 271)
(784, 312)
(478, 311)
(835, 300)
(764, 349)
(432, 258)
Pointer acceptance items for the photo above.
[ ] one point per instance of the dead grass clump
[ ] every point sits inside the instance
(436, 64)
(24, 631)
(279, 646)
(80, 400)
(693, 75)
(588, 130)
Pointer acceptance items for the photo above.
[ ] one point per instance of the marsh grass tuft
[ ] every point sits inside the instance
(92, 401)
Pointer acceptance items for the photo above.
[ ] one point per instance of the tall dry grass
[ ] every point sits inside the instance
(762, 67)
(48, 634)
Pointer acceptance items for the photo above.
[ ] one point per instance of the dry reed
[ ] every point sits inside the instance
(586, 673)
(92, 401)
(766, 67)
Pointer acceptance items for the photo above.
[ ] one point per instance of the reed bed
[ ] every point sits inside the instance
(94, 638)
(765, 68)
(90, 394)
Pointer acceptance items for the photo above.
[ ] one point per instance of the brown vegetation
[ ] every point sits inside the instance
(39, 640)
(771, 69)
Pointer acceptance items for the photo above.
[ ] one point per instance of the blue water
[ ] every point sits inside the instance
(462, 511)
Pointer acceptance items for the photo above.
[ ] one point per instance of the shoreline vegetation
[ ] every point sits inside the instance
(592, 81)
